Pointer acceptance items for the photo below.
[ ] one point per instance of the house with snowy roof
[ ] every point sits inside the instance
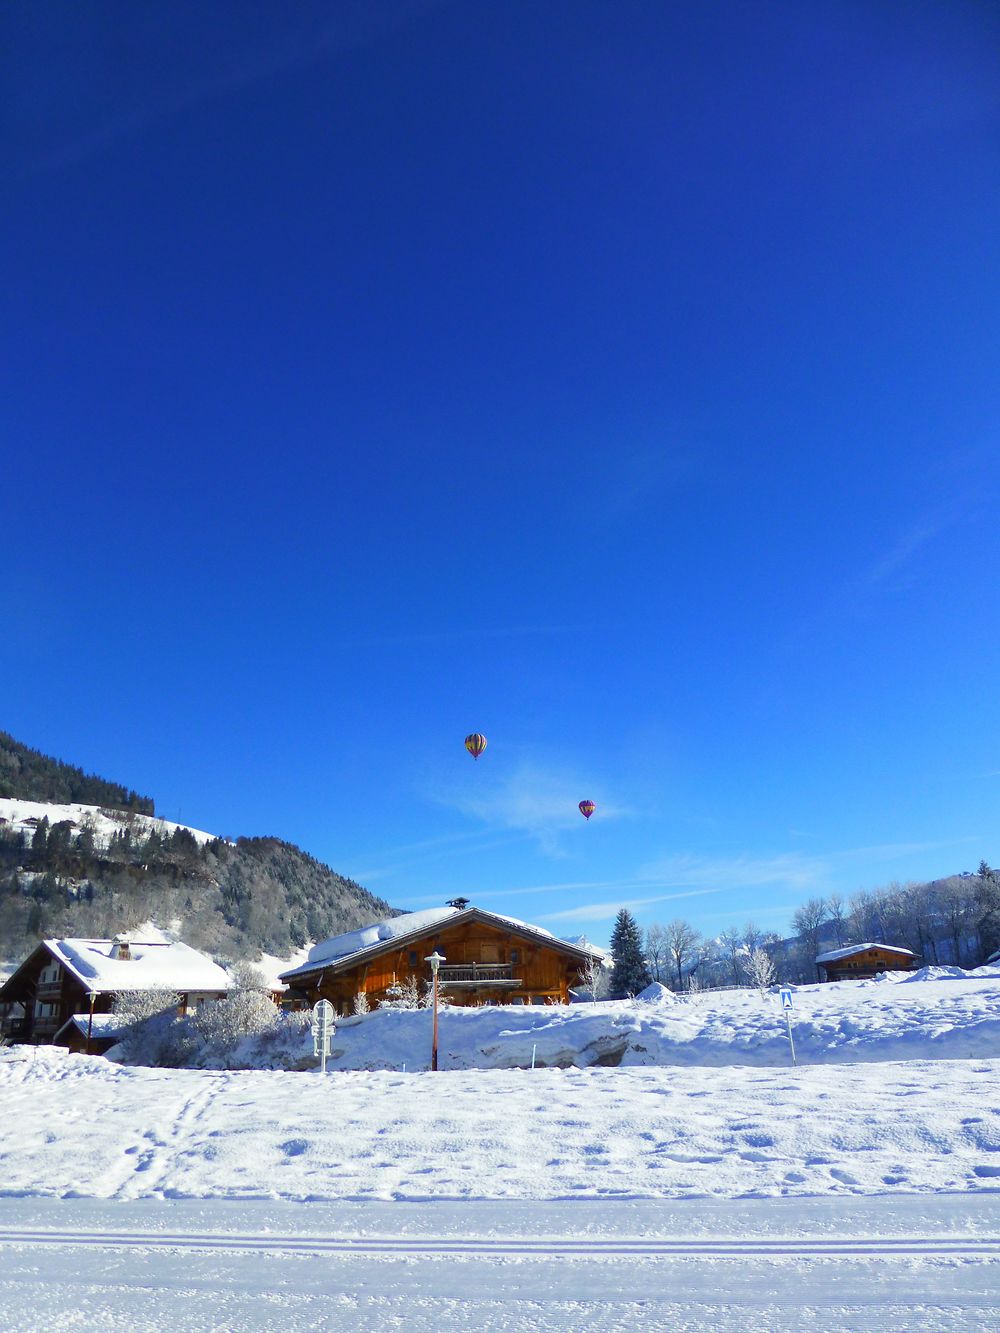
(71, 978)
(855, 962)
(488, 958)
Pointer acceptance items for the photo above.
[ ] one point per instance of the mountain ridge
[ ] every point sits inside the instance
(96, 868)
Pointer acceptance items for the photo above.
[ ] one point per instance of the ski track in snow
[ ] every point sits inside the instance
(589, 1247)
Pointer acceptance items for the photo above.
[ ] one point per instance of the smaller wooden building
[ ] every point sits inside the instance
(855, 962)
(488, 959)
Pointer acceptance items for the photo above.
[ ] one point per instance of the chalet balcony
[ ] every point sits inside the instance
(48, 990)
(478, 974)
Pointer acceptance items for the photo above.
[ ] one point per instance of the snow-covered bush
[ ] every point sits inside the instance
(760, 970)
(222, 1026)
(405, 996)
(361, 1005)
(148, 1019)
(151, 1031)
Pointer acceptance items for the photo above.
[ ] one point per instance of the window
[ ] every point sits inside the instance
(515, 956)
(413, 958)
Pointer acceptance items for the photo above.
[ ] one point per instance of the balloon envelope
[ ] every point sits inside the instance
(475, 744)
(587, 808)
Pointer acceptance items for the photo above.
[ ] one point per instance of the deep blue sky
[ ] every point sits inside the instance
(620, 380)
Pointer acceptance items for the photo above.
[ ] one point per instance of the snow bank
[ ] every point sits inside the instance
(938, 1018)
(79, 1126)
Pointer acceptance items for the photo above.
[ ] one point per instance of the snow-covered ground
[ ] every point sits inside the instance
(83, 1126)
(926, 1265)
(938, 1013)
(102, 821)
(847, 1197)
(702, 1184)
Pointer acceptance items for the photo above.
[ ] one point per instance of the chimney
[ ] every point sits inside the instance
(460, 903)
(120, 949)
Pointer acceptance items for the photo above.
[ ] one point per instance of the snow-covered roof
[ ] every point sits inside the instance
(849, 949)
(380, 933)
(104, 1026)
(154, 964)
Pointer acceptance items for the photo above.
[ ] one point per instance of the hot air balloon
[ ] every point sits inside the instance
(587, 808)
(475, 744)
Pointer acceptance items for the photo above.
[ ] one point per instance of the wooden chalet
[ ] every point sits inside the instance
(488, 959)
(855, 962)
(56, 980)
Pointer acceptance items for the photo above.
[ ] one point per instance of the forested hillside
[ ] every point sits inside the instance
(35, 777)
(69, 876)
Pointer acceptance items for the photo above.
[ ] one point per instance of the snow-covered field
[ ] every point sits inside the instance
(80, 1125)
(704, 1183)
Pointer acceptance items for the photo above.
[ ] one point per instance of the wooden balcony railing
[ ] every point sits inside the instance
(48, 990)
(477, 974)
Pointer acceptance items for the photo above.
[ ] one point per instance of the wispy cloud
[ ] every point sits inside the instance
(743, 871)
(902, 552)
(533, 799)
(303, 40)
(465, 635)
(604, 911)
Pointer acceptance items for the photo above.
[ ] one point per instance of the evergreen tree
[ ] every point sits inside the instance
(630, 975)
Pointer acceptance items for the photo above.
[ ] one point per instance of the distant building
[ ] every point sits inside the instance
(855, 962)
(55, 981)
(488, 959)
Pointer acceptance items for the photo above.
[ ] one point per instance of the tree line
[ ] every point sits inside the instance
(953, 921)
(33, 776)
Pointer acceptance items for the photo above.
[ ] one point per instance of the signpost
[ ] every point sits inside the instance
(786, 1004)
(322, 1030)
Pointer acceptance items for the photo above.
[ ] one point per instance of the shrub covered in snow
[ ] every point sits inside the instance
(222, 1026)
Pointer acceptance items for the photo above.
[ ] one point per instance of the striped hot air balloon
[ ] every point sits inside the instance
(475, 744)
(587, 808)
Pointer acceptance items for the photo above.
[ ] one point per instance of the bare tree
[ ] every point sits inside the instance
(731, 947)
(760, 970)
(836, 911)
(656, 950)
(593, 977)
(753, 937)
(682, 939)
(807, 922)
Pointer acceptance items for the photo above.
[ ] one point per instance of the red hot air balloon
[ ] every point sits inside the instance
(587, 808)
(475, 744)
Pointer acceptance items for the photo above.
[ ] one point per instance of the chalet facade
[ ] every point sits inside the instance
(55, 983)
(856, 962)
(488, 959)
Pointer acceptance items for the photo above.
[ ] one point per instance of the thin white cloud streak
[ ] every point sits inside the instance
(742, 871)
(906, 548)
(465, 635)
(602, 911)
(535, 800)
(305, 41)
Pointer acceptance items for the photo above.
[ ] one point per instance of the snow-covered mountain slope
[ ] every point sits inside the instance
(102, 821)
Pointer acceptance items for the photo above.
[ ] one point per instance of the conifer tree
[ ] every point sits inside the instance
(631, 975)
